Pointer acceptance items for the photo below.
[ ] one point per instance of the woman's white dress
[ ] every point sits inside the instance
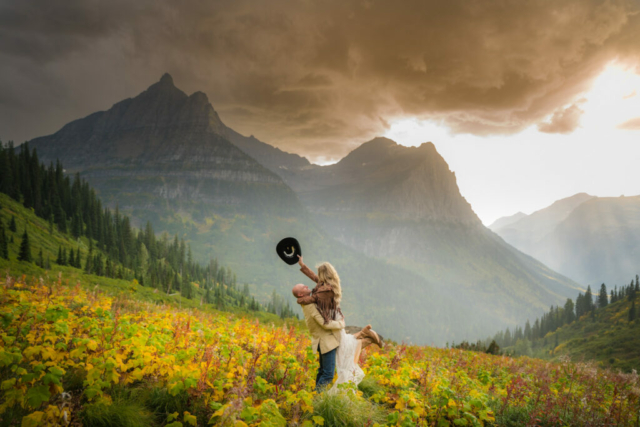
(348, 370)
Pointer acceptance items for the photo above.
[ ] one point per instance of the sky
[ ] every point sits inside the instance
(528, 102)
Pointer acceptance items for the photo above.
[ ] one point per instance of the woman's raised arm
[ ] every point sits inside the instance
(307, 271)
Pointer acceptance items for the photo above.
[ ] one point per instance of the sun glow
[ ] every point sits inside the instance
(613, 99)
(501, 175)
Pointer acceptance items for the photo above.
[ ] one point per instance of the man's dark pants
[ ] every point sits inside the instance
(326, 369)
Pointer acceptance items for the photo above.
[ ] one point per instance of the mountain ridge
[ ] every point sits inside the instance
(590, 239)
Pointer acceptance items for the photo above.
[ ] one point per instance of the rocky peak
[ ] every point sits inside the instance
(166, 79)
(160, 123)
(199, 98)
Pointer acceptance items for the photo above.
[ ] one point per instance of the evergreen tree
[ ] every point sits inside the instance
(580, 305)
(87, 266)
(588, 300)
(603, 297)
(12, 225)
(219, 297)
(59, 259)
(632, 312)
(40, 262)
(569, 315)
(107, 269)
(4, 244)
(25, 248)
(78, 262)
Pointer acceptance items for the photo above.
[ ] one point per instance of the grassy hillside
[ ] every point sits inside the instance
(605, 335)
(48, 239)
(75, 356)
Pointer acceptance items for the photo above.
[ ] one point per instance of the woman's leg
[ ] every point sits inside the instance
(356, 357)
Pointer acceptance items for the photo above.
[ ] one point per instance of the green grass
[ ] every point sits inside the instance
(345, 409)
(368, 386)
(122, 412)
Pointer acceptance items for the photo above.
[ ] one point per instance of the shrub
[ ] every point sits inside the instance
(162, 403)
(346, 409)
(120, 413)
(369, 386)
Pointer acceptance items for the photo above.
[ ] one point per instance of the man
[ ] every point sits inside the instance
(325, 337)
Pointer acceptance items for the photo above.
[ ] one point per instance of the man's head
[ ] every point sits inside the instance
(300, 290)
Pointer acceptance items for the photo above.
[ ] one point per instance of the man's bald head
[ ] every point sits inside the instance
(300, 290)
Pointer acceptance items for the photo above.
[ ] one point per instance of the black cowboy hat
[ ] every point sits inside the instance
(288, 250)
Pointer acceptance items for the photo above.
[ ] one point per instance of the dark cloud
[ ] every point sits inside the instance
(564, 120)
(313, 77)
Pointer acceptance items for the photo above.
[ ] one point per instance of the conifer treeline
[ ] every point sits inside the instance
(116, 249)
(557, 316)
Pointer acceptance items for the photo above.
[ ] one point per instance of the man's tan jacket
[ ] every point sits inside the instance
(327, 336)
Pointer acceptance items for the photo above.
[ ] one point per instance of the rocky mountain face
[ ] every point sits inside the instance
(272, 158)
(163, 147)
(590, 239)
(382, 177)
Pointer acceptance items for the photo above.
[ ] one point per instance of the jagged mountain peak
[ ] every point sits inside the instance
(166, 79)
(159, 124)
(383, 150)
(199, 98)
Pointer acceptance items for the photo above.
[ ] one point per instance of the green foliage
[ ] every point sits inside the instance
(347, 410)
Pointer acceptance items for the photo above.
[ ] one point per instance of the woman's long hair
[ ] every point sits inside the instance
(329, 275)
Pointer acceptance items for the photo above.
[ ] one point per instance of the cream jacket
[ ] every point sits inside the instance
(327, 336)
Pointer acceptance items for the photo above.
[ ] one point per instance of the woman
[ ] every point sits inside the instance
(327, 295)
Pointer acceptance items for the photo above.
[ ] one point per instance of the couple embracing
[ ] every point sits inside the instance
(336, 348)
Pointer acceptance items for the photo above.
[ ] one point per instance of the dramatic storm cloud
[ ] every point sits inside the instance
(314, 77)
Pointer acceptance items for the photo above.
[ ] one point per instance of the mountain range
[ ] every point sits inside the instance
(414, 258)
(590, 239)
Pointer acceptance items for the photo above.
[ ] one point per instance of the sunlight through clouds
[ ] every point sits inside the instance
(501, 175)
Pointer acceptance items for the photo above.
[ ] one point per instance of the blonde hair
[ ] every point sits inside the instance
(329, 275)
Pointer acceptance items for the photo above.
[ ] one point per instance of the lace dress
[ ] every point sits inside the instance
(348, 370)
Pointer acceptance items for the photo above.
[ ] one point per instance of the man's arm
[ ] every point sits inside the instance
(332, 325)
(309, 299)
